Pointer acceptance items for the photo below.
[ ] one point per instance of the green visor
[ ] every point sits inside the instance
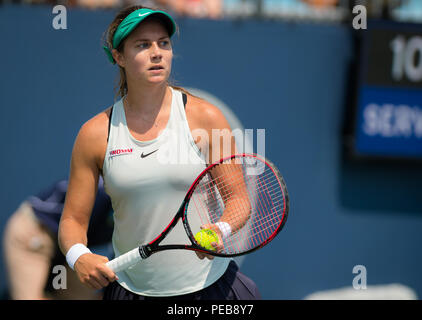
(131, 22)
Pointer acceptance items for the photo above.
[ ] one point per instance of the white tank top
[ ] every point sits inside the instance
(147, 182)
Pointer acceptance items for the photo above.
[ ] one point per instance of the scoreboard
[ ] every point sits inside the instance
(388, 108)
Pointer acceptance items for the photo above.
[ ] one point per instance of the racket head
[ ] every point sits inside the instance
(246, 189)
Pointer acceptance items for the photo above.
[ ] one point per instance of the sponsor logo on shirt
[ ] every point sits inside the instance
(120, 152)
(143, 155)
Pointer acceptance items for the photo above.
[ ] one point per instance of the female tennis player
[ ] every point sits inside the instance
(144, 146)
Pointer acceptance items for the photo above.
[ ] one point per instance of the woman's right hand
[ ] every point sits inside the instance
(93, 272)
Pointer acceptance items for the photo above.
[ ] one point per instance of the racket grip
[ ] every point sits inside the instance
(125, 260)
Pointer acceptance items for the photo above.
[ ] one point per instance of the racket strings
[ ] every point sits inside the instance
(268, 226)
(274, 186)
(263, 227)
(272, 181)
(253, 204)
(245, 239)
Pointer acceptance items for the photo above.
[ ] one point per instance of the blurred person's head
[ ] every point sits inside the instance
(321, 3)
(138, 41)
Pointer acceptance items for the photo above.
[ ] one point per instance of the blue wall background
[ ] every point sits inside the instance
(287, 78)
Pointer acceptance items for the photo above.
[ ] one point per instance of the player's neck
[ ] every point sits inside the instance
(147, 100)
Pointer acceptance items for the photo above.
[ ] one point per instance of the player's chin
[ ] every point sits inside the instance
(157, 79)
(160, 75)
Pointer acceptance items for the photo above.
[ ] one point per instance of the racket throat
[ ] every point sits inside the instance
(145, 251)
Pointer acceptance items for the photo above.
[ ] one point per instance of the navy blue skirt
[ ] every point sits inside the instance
(233, 285)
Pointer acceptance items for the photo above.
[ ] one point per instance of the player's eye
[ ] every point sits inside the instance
(165, 43)
(143, 45)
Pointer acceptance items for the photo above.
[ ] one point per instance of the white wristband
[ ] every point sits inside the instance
(74, 253)
(225, 229)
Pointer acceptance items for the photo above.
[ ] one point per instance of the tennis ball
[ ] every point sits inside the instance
(205, 237)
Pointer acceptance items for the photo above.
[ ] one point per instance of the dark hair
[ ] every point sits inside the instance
(108, 41)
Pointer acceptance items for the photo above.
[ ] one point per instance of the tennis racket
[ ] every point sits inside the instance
(243, 196)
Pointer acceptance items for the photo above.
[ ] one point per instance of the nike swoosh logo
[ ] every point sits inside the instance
(146, 155)
(144, 14)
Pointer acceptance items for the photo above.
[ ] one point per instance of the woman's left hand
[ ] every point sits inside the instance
(218, 246)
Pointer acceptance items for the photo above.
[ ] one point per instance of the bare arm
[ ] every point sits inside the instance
(229, 176)
(233, 190)
(87, 155)
(80, 195)
(220, 143)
